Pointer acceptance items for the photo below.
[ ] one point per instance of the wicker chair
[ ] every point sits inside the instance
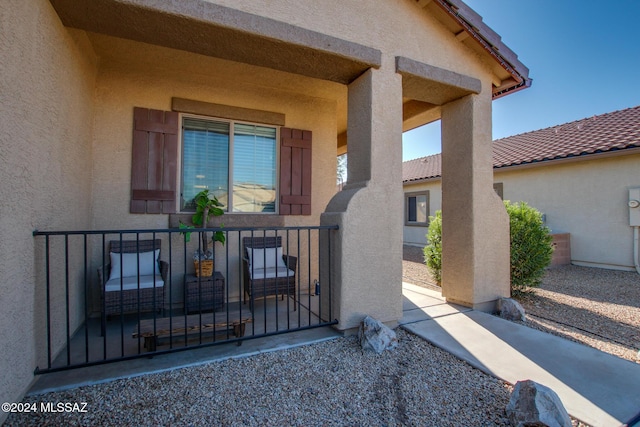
(138, 290)
(267, 271)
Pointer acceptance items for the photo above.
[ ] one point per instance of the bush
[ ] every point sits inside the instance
(433, 251)
(531, 248)
(530, 242)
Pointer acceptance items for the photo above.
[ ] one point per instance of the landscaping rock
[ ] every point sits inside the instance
(376, 336)
(532, 404)
(510, 309)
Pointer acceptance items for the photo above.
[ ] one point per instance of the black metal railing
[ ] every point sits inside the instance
(111, 295)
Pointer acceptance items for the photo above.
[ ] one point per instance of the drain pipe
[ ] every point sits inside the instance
(636, 245)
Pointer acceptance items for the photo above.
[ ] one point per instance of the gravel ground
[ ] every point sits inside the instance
(414, 269)
(597, 307)
(336, 383)
(333, 383)
(594, 306)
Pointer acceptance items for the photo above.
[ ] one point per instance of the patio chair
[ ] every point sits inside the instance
(134, 278)
(267, 271)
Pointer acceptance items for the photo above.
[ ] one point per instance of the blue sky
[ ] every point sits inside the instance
(583, 57)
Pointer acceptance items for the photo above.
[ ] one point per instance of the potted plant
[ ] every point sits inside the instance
(207, 206)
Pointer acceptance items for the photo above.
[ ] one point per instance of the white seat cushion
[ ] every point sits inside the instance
(148, 262)
(129, 283)
(270, 273)
(266, 258)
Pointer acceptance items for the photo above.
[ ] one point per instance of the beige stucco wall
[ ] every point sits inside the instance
(144, 75)
(67, 104)
(475, 224)
(402, 29)
(46, 91)
(368, 250)
(132, 72)
(587, 199)
(397, 28)
(136, 74)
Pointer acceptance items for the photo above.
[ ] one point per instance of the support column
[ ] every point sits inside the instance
(366, 253)
(475, 224)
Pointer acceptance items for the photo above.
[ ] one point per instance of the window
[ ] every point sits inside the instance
(499, 189)
(417, 208)
(235, 161)
(232, 158)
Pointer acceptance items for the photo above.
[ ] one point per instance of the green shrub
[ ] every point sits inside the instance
(530, 241)
(433, 251)
(531, 248)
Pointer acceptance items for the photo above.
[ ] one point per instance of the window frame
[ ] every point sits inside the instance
(232, 122)
(409, 195)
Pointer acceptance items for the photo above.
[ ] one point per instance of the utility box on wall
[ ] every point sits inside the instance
(634, 207)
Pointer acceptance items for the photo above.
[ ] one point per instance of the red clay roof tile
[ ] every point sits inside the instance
(618, 130)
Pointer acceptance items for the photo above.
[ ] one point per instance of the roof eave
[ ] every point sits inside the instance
(421, 180)
(543, 162)
(491, 43)
(570, 159)
(503, 91)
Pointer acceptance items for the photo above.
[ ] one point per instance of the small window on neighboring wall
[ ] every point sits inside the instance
(497, 187)
(417, 208)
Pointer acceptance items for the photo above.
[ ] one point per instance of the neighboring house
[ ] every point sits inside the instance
(578, 174)
(78, 78)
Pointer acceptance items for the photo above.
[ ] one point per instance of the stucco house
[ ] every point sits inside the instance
(102, 102)
(583, 176)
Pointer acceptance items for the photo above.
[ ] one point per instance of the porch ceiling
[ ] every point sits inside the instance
(425, 88)
(217, 31)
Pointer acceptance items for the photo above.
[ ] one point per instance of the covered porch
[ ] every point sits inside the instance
(110, 82)
(352, 93)
(338, 95)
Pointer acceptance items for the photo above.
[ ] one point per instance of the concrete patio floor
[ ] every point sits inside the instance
(271, 317)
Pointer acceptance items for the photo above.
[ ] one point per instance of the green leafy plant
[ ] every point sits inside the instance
(207, 207)
(433, 251)
(530, 247)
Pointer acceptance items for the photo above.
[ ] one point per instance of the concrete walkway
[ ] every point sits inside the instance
(595, 387)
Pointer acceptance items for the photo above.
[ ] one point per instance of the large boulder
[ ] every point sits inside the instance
(532, 404)
(510, 309)
(375, 335)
